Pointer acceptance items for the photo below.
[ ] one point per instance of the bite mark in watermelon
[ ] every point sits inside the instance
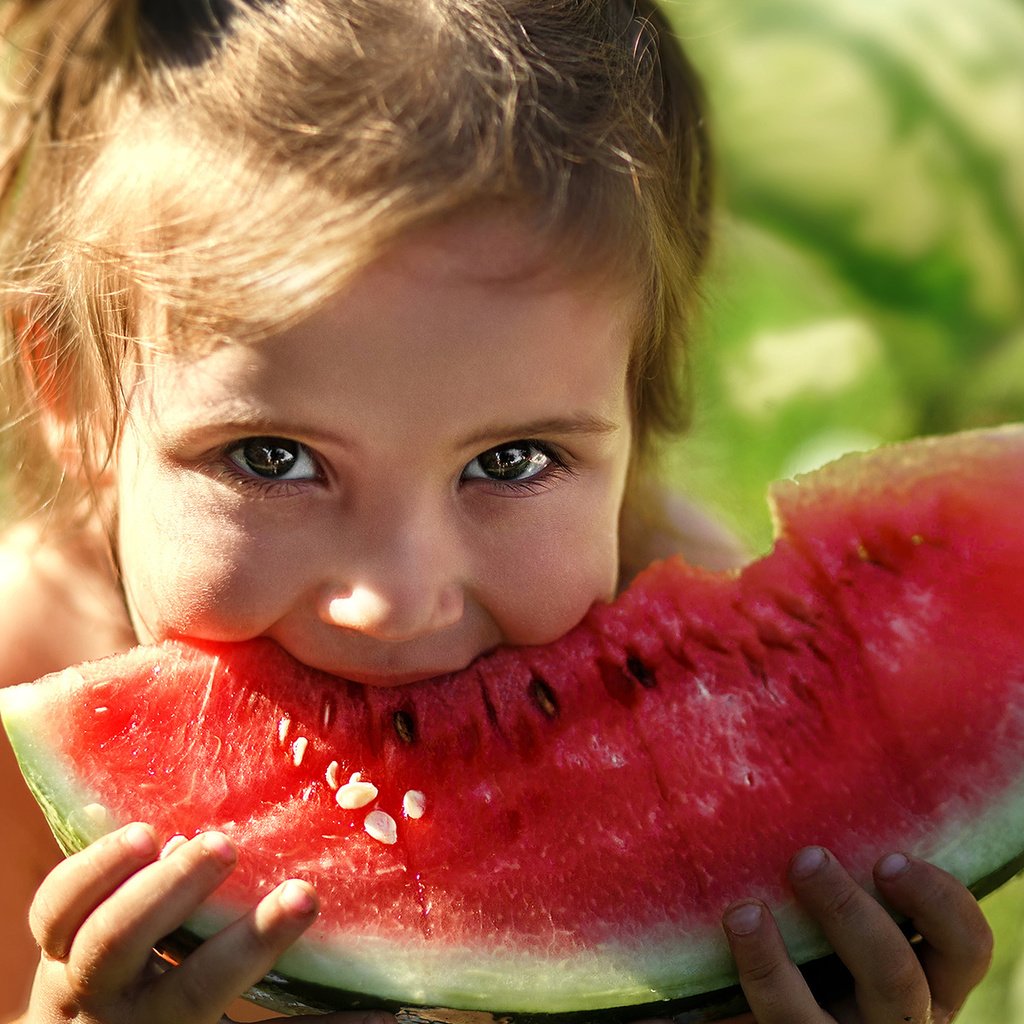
(558, 829)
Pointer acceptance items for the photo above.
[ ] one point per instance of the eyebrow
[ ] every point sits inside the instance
(237, 424)
(579, 423)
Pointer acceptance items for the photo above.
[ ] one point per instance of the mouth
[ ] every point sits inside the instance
(374, 664)
(390, 679)
(382, 674)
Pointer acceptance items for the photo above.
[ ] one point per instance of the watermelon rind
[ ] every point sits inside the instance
(76, 817)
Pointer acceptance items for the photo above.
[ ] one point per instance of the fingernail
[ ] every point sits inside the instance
(744, 919)
(172, 844)
(892, 866)
(218, 844)
(140, 840)
(807, 862)
(296, 898)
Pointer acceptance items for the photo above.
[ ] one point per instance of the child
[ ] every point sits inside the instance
(352, 323)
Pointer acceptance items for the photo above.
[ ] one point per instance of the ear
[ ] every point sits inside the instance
(47, 379)
(37, 356)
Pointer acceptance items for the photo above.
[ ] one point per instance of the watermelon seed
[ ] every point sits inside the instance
(382, 827)
(414, 803)
(405, 726)
(328, 713)
(96, 818)
(544, 697)
(299, 750)
(282, 729)
(356, 794)
(640, 672)
(332, 774)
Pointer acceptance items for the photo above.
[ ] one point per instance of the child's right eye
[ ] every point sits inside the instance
(274, 458)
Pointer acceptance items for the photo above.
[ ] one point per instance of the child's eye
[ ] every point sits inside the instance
(274, 458)
(515, 462)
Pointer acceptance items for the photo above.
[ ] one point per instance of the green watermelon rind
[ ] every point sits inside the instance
(76, 818)
(690, 976)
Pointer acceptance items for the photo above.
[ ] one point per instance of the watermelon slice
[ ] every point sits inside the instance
(558, 829)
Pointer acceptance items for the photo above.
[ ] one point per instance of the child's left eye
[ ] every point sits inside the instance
(274, 458)
(511, 463)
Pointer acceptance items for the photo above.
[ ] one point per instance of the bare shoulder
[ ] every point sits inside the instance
(702, 539)
(666, 523)
(60, 604)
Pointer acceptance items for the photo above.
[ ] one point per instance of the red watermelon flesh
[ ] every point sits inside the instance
(590, 807)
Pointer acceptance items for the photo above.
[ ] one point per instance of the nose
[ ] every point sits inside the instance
(401, 580)
(394, 613)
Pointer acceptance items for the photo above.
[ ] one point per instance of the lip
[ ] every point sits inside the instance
(385, 681)
(382, 677)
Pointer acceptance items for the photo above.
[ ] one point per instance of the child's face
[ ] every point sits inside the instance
(431, 465)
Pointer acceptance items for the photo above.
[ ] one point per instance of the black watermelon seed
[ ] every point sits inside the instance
(640, 672)
(544, 697)
(405, 726)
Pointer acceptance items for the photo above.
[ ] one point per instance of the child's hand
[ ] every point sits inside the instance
(97, 916)
(893, 981)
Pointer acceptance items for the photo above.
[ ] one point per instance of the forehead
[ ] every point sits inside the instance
(490, 246)
(462, 324)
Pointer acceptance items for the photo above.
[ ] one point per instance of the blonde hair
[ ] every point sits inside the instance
(225, 164)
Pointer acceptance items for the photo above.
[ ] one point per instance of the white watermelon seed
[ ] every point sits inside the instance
(282, 729)
(332, 774)
(356, 794)
(414, 803)
(355, 777)
(381, 826)
(299, 750)
(98, 816)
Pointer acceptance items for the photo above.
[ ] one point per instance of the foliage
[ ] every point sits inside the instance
(871, 255)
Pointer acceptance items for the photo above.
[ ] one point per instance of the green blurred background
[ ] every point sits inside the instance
(869, 276)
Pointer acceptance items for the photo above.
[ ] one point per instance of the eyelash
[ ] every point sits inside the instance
(559, 468)
(226, 468)
(536, 484)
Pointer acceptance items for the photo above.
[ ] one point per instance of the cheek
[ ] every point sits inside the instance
(186, 569)
(540, 595)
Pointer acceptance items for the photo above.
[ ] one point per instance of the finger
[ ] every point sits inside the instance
(957, 947)
(115, 941)
(232, 961)
(890, 983)
(773, 985)
(76, 886)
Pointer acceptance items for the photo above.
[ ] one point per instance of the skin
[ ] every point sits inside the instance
(394, 546)
(390, 550)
